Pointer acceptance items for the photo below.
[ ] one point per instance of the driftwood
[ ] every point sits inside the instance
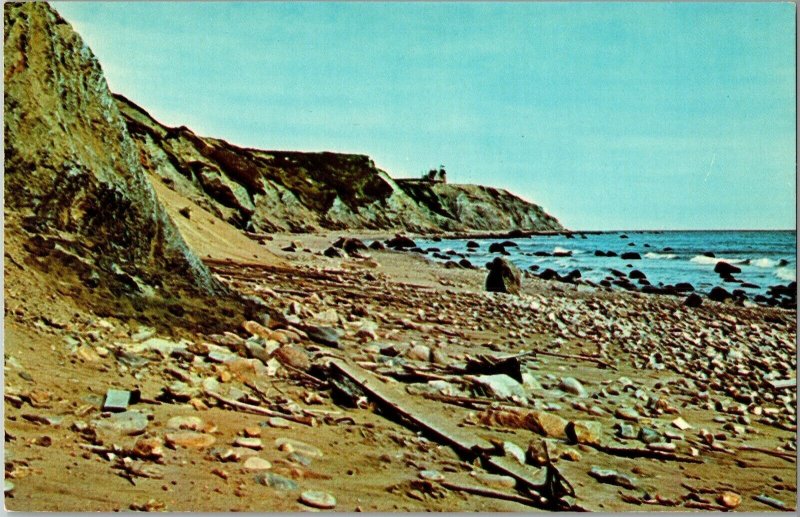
(778, 454)
(629, 452)
(552, 488)
(306, 420)
(495, 494)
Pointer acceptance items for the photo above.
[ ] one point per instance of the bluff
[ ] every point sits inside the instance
(78, 203)
(295, 191)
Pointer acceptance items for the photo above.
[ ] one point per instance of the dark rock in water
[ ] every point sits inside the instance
(646, 245)
(451, 252)
(631, 244)
(709, 254)
(401, 241)
(760, 298)
(617, 272)
(441, 256)
(496, 247)
(636, 274)
(783, 262)
(723, 268)
(729, 279)
(436, 238)
(333, 252)
(509, 244)
(625, 284)
(611, 253)
(433, 250)
(417, 249)
(605, 283)
(667, 249)
(631, 255)
(738, 293)
(548, 274)
(623, 236)
(503, 277)
(534, 267)
(473, 244)
(466, 264)
(377, 245)
(651, 289)
(599, 253)
(562, 253)
(574, 274)
(644, 281)
(684, 287)
(542, 254)
(451, 264)
(748, 285)
(719, 294)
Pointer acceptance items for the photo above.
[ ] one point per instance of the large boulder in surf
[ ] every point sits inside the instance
(726, 269)
(719, 294)
(503, 277)
(632, 255)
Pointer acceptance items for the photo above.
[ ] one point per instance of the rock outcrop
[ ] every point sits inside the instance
(75, 190)
(295, 191)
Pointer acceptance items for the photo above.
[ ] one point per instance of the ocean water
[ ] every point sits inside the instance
(766, 258)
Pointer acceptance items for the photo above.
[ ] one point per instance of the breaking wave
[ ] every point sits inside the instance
(659, 256)
(764, 262)
(786, 273)
(702, 259)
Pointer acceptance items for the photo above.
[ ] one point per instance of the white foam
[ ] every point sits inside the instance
(659, 256)
(764, 262)
(702, 259)
(559, 249)
(786, 273)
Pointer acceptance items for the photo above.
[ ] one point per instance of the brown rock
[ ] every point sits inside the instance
(190, 439)
(294, 357)
(729, 499)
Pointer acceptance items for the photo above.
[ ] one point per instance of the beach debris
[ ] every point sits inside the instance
(495, 494)
(771, 501)
(301, 419)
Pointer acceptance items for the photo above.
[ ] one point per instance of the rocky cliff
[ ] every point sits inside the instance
(294, 191)
(75, 190)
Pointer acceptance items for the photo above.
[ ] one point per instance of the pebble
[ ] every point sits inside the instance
(256, 463)
(289, 445)
(275, 481)
(190, 439)
(250, 443)
(188, 423)
(316, 499)
(573, 386)
(681, 424)
(252, 432)
(126, 423)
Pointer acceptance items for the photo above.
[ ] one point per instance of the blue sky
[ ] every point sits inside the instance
(611, 116)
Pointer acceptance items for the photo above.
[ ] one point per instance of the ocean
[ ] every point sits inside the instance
(766, 258)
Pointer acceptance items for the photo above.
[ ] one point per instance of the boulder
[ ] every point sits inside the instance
(503, 277)
(401, 241)
(472, 245)
(599, 253)
(500, 386)
(631, 255)
(719, 294)
(723, 268)
(333, 252)
(683, 287)
(693, 300)
(377, 245)
(496, 247)
(636, 274)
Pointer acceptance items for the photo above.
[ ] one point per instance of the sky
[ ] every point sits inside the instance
(609, 115)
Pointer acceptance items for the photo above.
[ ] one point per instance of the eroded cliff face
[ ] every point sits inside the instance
(75, 190)
(279, 190)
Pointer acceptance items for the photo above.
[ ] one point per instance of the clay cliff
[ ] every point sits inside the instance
(293, 191)
(78, 203)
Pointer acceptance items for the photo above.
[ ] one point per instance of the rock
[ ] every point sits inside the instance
(117, 400)
(316, 499)
(472, 245)
(466, 264)
(729, 500)
(377, 245)
(327, 336)
(719, 294)
(599, 253)
(279, 423)
(333, 252)
(187, 423)
(189, 439)
(723, 268)
(503, 277)
(612, 477)
(626, 431)
(8, 486)
(630, 255)
(500, 386)
(684, 287)
(400, 241)
(648, 435)
(126, 423)
(250, 443)
(275, 481)
(350, 245)
(496, 247)
(571, 455)
(289, 445)
(584, 431)
(300, 459)
(419, 353)
(293, 356)
(573, 386)
(494, 480)
(681, 424)
(149, 448)
(550, 425)
(515, 451)
(627, 413)
(693, 300)
(431, 475)
(256, 463)
(636, 274)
